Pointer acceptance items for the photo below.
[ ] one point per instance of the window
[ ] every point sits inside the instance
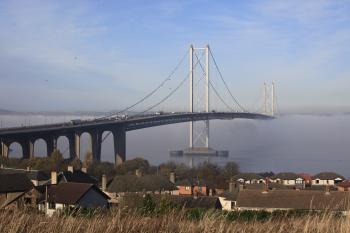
(187, 188)
(317, 181)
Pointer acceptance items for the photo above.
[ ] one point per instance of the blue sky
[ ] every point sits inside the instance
(103, 55)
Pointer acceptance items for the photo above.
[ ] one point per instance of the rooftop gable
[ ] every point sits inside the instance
(70, 193)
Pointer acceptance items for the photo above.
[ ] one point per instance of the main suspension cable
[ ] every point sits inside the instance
(168, 78)
(228, 89)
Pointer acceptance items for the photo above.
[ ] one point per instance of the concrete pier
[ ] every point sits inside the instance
(119, 137)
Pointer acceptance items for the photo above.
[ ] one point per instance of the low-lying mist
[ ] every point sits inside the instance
(298, 143)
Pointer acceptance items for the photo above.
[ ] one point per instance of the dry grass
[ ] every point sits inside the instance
(21, 221)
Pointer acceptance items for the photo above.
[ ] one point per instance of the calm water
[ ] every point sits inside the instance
(299, 143)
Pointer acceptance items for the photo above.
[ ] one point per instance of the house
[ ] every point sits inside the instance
(248, 178)
(74, 195)
(198, 187)
(327, 178)
(292, 199)
(140, 183)
(228, 199)
(343, 186)
(35, 176)
(307, 179)
(288, 178)
(12, 190)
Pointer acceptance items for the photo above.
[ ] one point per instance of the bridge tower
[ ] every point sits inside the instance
(269, 96)
(199, 133)
(199, 101)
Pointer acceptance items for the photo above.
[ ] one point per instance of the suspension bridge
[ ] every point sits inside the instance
(199, 114)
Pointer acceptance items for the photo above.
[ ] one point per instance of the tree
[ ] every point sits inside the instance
(56, 160)
(231, 168)
(76, 163)
(88, 160)
(129, 166)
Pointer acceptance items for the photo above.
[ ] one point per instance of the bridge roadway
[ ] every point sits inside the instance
(26, 136)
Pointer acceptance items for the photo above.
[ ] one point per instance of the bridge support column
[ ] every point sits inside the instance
(4, 150)
(119, 146)
(51, 145)
(96, 141)
(74, 146)
(27, 149)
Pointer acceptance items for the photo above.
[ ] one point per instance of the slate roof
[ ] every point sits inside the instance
(232, 196)
(327, 176)
(286, 176)
(247, 176)
(294, 199)
(31, 174)
(10, 183)
(70, 193)
(193, 182)
(133, 183)
(76, 177)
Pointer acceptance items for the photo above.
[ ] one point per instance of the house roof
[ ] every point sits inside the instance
(247, 176)
(327, 176)
(344, 184)
(133, 183)
(286, 176)
(293, 199)
(10, 183)
(70, 193)
(31, 174)
(193, 182)
(232, 196)
(76, 177)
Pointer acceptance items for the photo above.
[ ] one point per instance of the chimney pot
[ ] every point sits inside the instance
(231, 186)
(70, 169)
(172, 177)
(104, 182)
(53, 177)
(138, 173)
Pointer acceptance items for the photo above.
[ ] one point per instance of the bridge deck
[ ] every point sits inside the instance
(131, 123)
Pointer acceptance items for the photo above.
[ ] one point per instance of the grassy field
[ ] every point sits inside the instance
(118, 221)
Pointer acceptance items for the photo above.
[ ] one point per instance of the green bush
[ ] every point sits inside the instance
(148, 205)
(195, 213)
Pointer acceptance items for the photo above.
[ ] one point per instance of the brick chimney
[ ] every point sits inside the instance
(53, 177)
(172, 177)
(240, 187)
(231, 185)
(104, 182)
(70, 168)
